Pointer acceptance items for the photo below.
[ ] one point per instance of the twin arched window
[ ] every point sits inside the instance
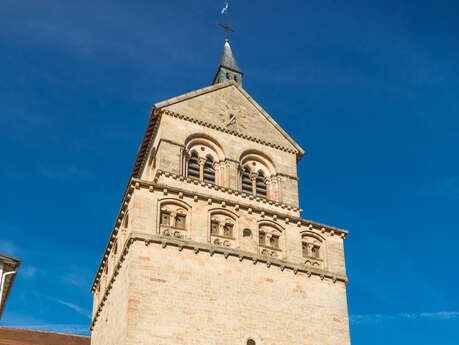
(201, 168)
(203, 158)
(312, 249)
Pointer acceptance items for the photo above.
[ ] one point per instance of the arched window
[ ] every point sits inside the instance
(270, 238)
(258, 172)
(209, 171)
(247, 233)
(193, 166)
(206, 155)
(174, 218)
(223, 228)
(261, 184)
(313, 249)
(246, 181)
(251, 342)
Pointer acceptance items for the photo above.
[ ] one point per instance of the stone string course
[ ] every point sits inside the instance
(199, 247)
(152, 186)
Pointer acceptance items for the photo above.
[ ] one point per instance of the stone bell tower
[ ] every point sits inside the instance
(209, 246)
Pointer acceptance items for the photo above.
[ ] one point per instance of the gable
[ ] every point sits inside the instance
(217, 104)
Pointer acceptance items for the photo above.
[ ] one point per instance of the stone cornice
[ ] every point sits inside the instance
(213, 186)
(199, 247)
(154, 186)
(228, 131)
(231, 83)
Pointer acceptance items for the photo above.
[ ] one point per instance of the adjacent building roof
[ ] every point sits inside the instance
(16, 336)
(7, 264)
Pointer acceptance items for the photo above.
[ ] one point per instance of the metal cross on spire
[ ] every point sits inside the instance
(225, 26)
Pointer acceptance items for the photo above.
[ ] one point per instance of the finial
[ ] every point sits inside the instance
(225, 26)
(228, 69)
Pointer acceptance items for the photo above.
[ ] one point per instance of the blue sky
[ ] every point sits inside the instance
(369, 89)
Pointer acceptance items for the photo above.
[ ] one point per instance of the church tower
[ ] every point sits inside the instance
(209, 246)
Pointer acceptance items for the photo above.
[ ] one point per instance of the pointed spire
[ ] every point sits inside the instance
(228, 68)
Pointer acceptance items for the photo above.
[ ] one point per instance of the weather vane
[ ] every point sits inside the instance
(225, 26)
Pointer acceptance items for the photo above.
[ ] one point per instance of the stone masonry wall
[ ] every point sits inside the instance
(179, 297)
(111, 326)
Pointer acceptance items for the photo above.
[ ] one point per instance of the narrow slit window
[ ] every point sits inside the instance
(180, 221)
(165, 218)
(193, 166)
(305, 249)
(261, 185)
(246, 181)
(209, 171)
(228, 230)
(315, 251)
(262, 237)
(214, 227)
(274, 241)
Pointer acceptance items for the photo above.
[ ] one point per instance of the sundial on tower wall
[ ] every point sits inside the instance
(232, 118)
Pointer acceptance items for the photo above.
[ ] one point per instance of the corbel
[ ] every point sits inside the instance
(180, 195)
(165, 191)
(209, 201)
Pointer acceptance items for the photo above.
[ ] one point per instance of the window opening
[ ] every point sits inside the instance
(180, 221)
(274, 241)
(261, 185)
(246, 181)
(165, 218)
(228, 230)
(209, 171)
(214, 227)
(247, 233)
(193, 166)
(262, 237)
